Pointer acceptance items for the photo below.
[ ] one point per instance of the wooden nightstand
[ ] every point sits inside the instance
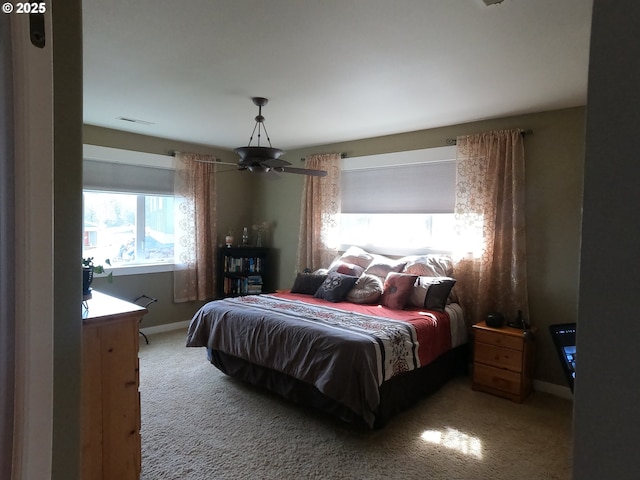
(502, 361)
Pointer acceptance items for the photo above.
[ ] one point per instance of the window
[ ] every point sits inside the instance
(128, 208)
(128, 228)
(400, 202)
(398, 232)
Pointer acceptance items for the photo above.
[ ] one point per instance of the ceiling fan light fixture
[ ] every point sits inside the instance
(258, 153)
(266, 159)
(251, 155)
(258, 168)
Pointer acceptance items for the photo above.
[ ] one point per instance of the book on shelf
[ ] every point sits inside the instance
(243, 285)
(242, 264)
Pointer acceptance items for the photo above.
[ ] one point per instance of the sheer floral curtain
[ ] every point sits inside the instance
(491, 267)
(319, 214)
(195, 227)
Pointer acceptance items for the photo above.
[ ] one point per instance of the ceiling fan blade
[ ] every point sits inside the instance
(275, 163)
(304, 171)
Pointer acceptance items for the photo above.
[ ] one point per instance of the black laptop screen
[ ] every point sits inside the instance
(564, 338)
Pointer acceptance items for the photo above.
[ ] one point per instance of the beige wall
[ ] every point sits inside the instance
(554, 169)
(155, 285)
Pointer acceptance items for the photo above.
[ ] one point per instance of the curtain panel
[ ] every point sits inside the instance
(319, 214)
(195, 227)
(490, 255)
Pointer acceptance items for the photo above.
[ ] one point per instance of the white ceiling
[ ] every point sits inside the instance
(333, 70)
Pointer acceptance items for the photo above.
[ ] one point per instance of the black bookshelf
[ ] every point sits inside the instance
(244, 271)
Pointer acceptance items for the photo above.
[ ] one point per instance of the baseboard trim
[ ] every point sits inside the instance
(167, 327)
(553, 389)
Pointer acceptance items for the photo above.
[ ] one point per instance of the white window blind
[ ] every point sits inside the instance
(427, 187)
(117, 170)
(119, 177)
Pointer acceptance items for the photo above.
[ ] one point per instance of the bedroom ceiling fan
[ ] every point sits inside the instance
(267, 159)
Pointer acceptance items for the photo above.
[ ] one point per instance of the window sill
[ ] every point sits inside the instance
(398, 251)
(138, 269)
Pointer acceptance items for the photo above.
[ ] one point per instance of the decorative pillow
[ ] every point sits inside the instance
(397, 290)
(429, 265)
(381, 266)
(307, 283)
(335, 287)
(358, 256)
(432, 292)
(347, 268)
(367, 289)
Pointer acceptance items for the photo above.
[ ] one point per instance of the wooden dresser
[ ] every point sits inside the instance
(110, 423)
(502, 361)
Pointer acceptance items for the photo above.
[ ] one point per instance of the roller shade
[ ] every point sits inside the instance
(418, 188)
(119, 177)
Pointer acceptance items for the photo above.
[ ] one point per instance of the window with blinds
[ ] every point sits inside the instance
(128, 206)
(120, 177)
(422, 188)
(399, 202)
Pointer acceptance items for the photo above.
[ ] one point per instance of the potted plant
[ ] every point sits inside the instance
(88, 269)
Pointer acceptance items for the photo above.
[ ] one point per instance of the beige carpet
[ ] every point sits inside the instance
(198, 423)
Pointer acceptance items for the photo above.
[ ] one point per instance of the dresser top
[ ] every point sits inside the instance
(105, 307)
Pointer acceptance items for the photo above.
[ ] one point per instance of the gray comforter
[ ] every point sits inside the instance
(344, 354)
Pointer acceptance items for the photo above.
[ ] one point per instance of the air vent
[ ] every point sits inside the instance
(135, 120)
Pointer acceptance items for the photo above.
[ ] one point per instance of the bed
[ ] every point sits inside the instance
(360, 359)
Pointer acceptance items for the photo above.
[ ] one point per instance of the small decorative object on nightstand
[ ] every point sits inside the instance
(503, 361)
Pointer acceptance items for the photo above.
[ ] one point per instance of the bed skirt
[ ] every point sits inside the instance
(396, 394)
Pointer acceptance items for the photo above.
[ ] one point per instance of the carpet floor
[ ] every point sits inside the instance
(197, 423)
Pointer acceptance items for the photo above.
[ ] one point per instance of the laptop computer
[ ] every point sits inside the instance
(564, 338)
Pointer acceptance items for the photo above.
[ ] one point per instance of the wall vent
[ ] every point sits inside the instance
(134, 120)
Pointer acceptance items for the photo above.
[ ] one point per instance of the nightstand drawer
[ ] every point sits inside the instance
(499, 357)
(496, 378)
(499, 339)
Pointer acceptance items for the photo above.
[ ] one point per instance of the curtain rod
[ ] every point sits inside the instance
(342, 155)
(173, 153)
(453, 141)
